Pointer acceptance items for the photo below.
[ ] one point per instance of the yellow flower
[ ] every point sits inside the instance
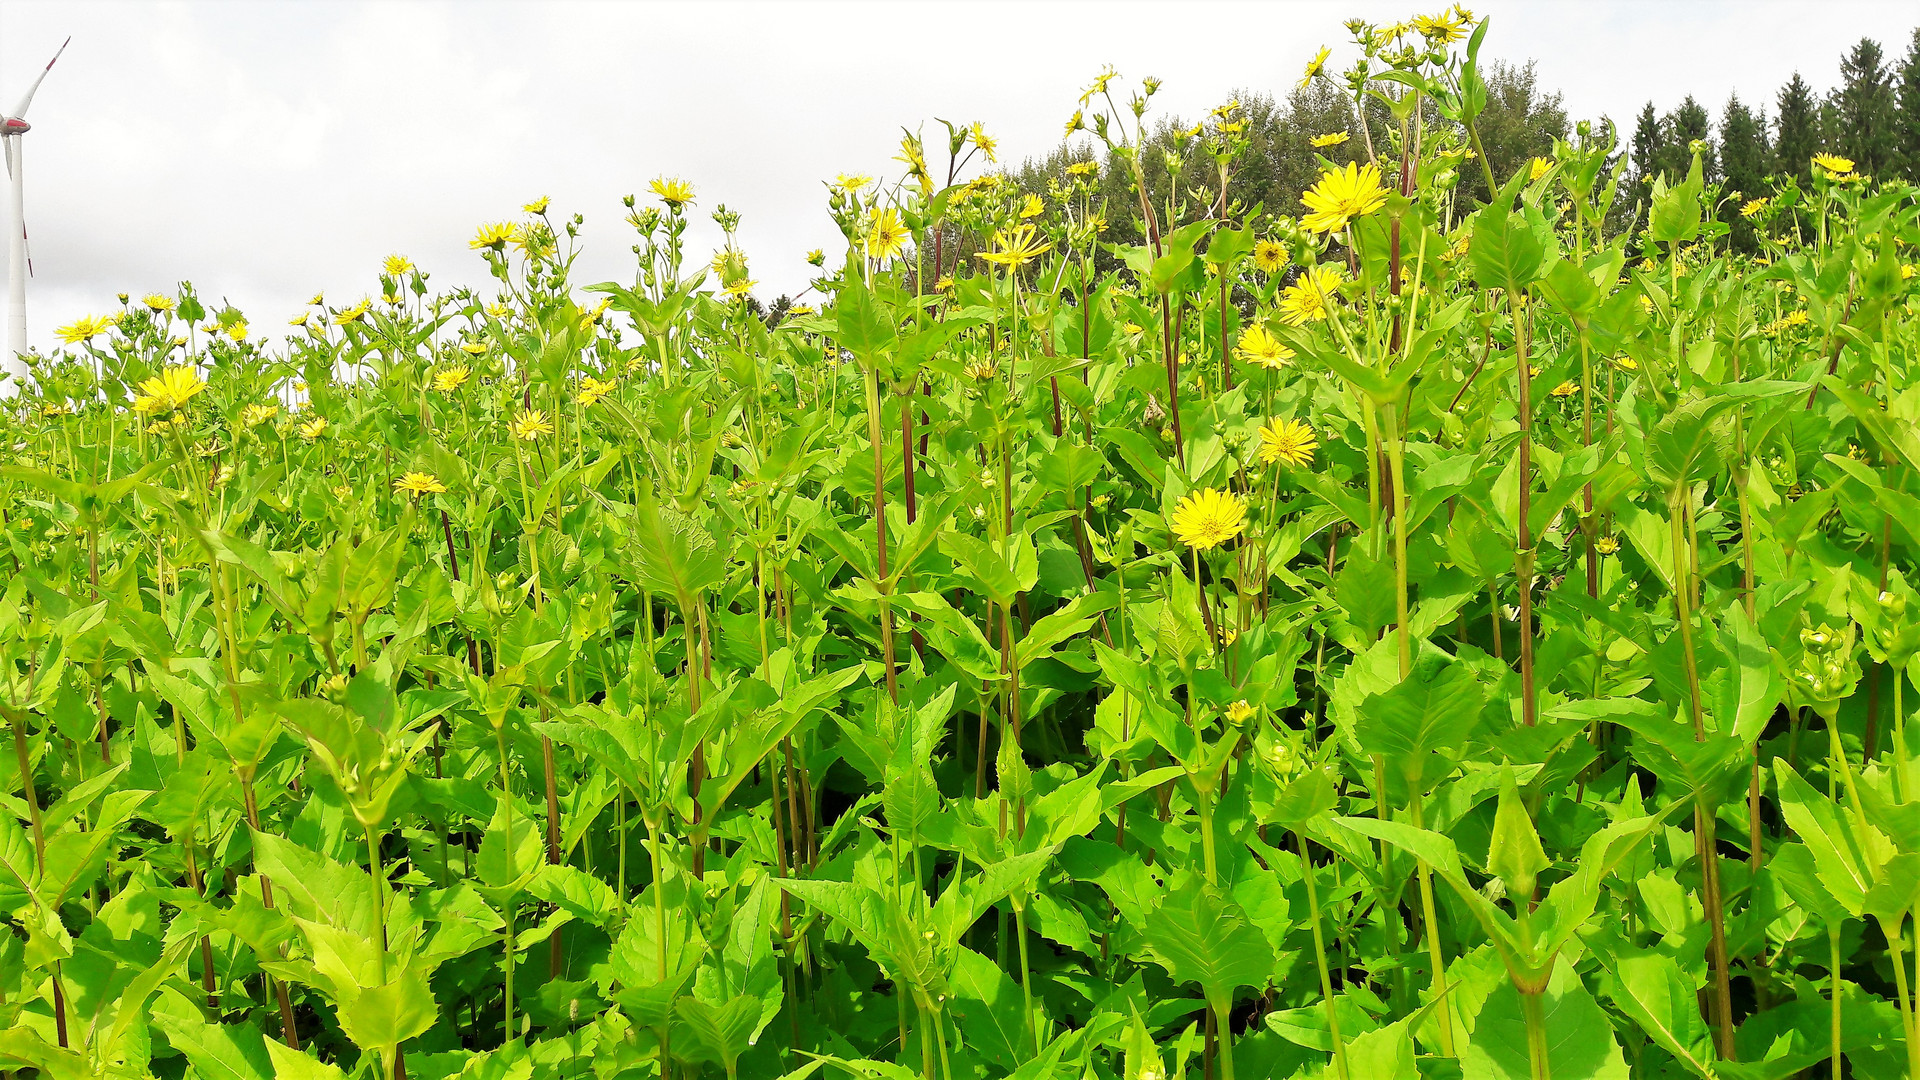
(592, 390)
(1606, 545)
(317, 300)
(1288, 441)
(1033, 206)
(353, 313)
(497, 310)
(852, 185)
(1565, 389)
(1313, 66)
(1834, 164)
(981, 370)
(157, 303)
(1309, 299)
(56, 409)
(1208, 518)
(1626, 363)
(529, 426)
(417, 484)
(1795, 318)
(673, 191)
(255, 415)
(1442, 29)
(491, 235)
(816, 257)
(1269, 256)
(1015, 247)
(474, 348)
(299, 320)
(1082, 168)
(313, 428)
(537, 206)
(988, 144)
(1239, 712)
(238, 331)
(343, 492)
(1537, 168)
(1342, 195)
(397, 266)
(1753, 207)
(1259, 347)
(1906, 271)
(85, 328)
(1321, 142)
(887, 235)
(447, 380)
(173, 388)
(144, 405)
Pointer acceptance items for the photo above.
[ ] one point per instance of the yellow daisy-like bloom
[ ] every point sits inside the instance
(816, 257)
(1606, 545)
(353, 313)
(1442, 29)
(1313, 66)
(1239, 712)
(1753, 207)
(1537, 168)
(673, 191)
(342, 492)
(313, 428)
(146, 405)
(1565, 389)
(1626, 363)
(397, 266)
(317, 300)
(1269, 256)
(1310, 298)
(238, 331)
(981, 370)
(1342, 195)
(988, 145)
(852, 185)
(592, 390)
(447, 380)
(498, 310)
(1834, 164)
(299, 320)
(740, 287)
(1906, 271)
(1259, 347)
(1208, 518)
(1083, 168)
(1288, 441)
(1015, 247)
(537, 206)
(255, 415)
(417, 484)
(474, 348)
(887, 235)
(529, 426)
(494, 234)
(56, 409)
(1335, 138)
(1033, 206)
(157, 302)
(173, 388)
(85, 328)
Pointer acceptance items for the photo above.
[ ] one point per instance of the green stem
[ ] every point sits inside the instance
(1320, 959)
(1536, 1036)
(1430, 917)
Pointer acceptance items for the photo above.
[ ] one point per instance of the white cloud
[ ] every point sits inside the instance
(267, 150)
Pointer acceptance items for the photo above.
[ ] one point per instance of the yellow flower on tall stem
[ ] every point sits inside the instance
(1259, 347)
(1342, 195)
(172, 388)
(887, 236)
(1834, 164)
(447, 380)
(1015, 247)
(1269, 256)
(1310, 298)
(1288, 441)
(673, 191)
(530, 425)
(313, 428)
(1208, 518)
(417, 484)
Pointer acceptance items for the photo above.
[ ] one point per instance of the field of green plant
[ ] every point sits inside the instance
(1392, 636)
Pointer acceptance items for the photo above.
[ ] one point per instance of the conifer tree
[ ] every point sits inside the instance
(1684, 126)
(1644, 154)
(1906, 89)
(1796, 129)
(1863, 109)
(1745, 159)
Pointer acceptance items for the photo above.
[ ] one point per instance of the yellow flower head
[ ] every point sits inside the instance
(1259, 347)
(1626, 363)
(1208, 518)
(313, 429)
(816, 257)
(157, 302)
(447, 380)
(255, 415)
(1015, 247)
(1342, 195)
(1033, 206)
(299, 320)
(673, 191)
(537, 206)
(173, 388)
(85, 328)
(887, 235)
(1538, 168)
(497, 310)
(1288, 441)
(1310, 298)
(1753, 207)
(397, 266)
(529, 425)
(852, 185)
(238, 331)
(1313, 66)
(1269, 256)
(982, 370)
(1565, 389)
(1606, 545)
(592, 390)
(353, 313)
(988, 145)
(493, 235)
(1239, 712)
(417, 484)
(1083, 168)
(1834, 164)
(1442, 29)
(1333, 138)
(145, 405)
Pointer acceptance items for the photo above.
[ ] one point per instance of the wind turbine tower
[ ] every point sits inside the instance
(12, 128)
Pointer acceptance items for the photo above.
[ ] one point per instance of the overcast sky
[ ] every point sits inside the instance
(267, 150)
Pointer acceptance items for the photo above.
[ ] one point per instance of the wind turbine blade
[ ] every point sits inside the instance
(20, 110)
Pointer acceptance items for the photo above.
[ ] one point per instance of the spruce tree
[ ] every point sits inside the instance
(1796, 129)
(1643, 155)
(1684, 126)
(1745, 160)
(1906, 89)
(1863, 109)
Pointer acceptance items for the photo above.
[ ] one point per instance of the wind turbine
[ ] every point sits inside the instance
(12, 127)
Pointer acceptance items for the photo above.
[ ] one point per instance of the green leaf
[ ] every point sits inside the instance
(1422, 719)
(1580, 1042)
(987, 1004)
(1201, 936)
